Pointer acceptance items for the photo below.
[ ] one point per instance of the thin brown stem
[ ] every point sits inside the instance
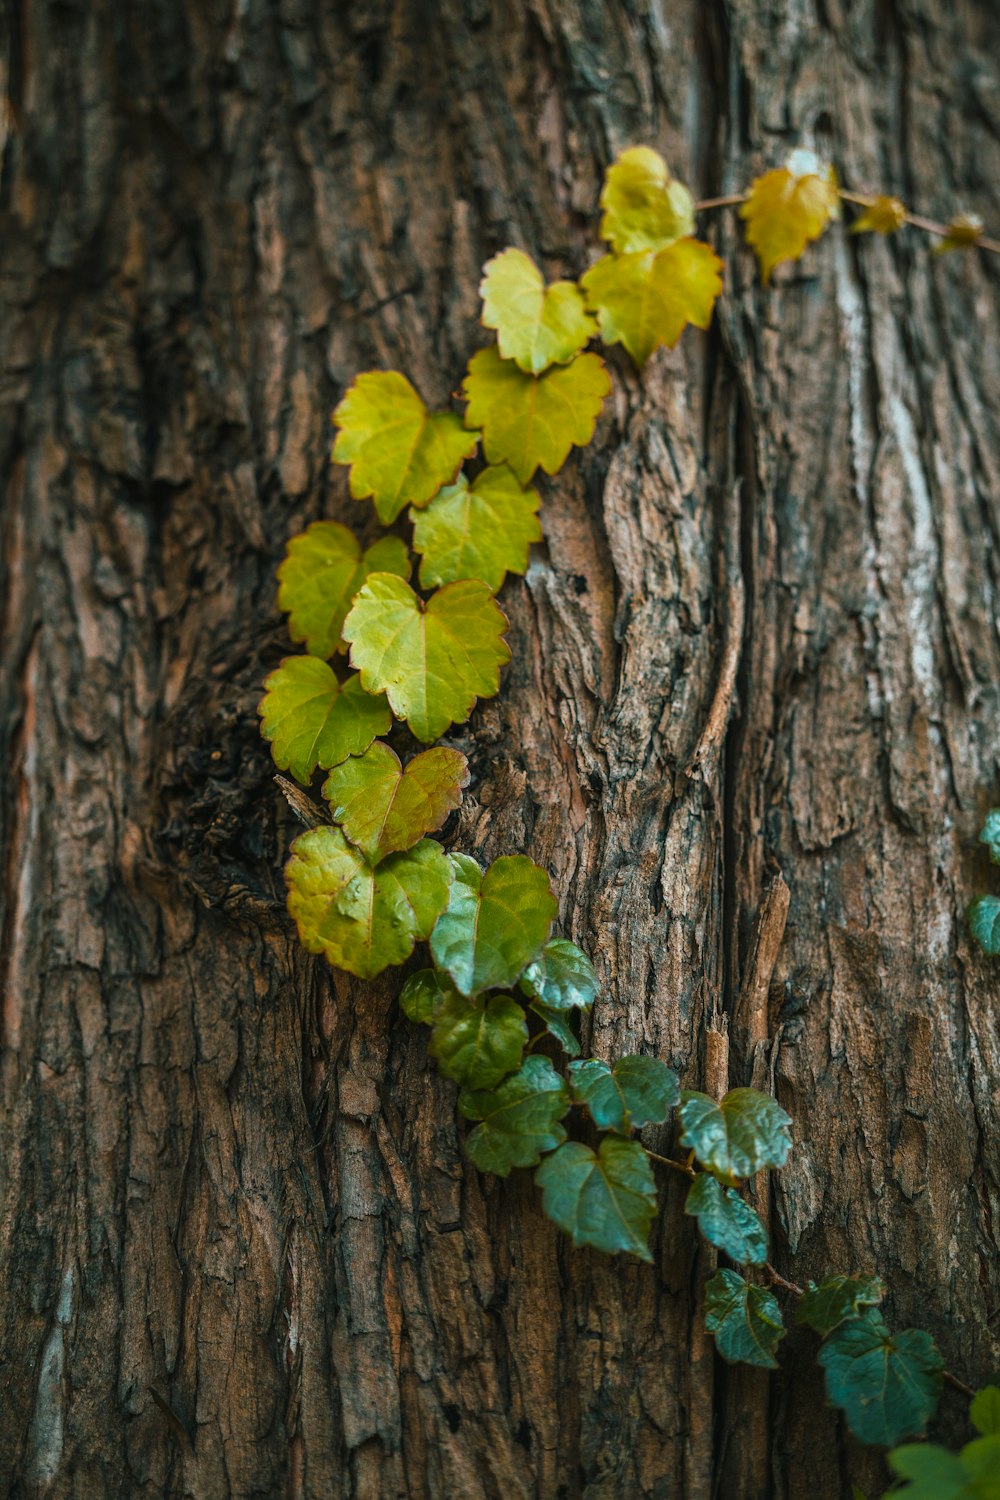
(728, 202)
(956, 1384)
(678, 1166)
(929, 226)
(778, 1280)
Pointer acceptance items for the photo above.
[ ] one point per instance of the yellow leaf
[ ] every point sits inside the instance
(643, 301)
(532, 421)
(644, 208)
(884, 216)
(789, 207)
(964, 231)
(536, 325)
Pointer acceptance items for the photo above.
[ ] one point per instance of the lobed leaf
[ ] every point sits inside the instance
(606, 1199)
(432, 660)
(789, 207)
(887, 1385)
(323, 569)
(519, 1120)
(482, 530)
(633, 1092)
(313, 720)
(422, 996)
(883, 216)
(726, 1221)
(745, 1133)
(990, 835)
(478, 1042)
(536, 325)
(744, 1319)
(400, 453)
(557, 1025)
(495, 923)
(645, 300)
(532, 421)
(934, 1473)
(983, 917)
(561, 977)
(825, 1306)
(644, 208)
(382, 808)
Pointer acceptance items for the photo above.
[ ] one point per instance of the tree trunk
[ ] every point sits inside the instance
(241, 1251)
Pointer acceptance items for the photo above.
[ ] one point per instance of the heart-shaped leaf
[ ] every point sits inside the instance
(432, 660)
(645, 300)
(519, 1119)
(422, 996)
(644, 207)
(740, 1136)
(381, 807)
(313, 720)
(606, 1199)
(561, 977)
(400, 453)
(362, 918)
(983, 917)
(478, 1042)
(482, 530)
(825, 1306)
(887, 1385)
(745, 1320)
(630, 1093)
(532, 421)
(495, 923)
(323, 569)
(726, 1221)
(936, 1474)
(536, 325)
(990, 835)
(788, 207)
(984, 1411)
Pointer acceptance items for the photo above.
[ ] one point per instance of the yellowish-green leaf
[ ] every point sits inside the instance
(536, 325)
(646, 300)
(884, 215)
(789, 207)
(363, 918)
(400, 453)
(644, 208)
(478, 1042)
(964, 233)
(313, 720)
(431, 660)
(482, 530)
(382, 808)
(532, 421)
(322, 571)
(495, 923)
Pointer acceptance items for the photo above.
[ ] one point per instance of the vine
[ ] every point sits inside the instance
(366, 882)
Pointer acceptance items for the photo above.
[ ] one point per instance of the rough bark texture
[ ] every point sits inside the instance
(240, 1250)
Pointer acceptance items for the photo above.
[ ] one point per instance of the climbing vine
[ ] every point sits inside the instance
(367, 882)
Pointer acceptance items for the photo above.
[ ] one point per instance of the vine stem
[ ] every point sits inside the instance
(778, 1280)
(684, 1168)
(956, 1384)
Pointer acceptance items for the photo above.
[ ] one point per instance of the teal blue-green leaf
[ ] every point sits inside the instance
(313, 720)
(933, 1472)
(557, 1025)
(495, 923)
(745, 1133)
(606, 1200)
(726, 1221)
(422, 996)
(887, 1385)
(478, 1042)
(519, 1120)
(561, 976)
(825, 1306)
(744, 1319)
(984, 1413)
(983, 917)
(630, 1093)
(990, 835)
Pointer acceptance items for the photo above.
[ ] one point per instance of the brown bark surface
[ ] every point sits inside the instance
(241, 1253)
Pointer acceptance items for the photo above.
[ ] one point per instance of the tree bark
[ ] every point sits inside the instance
(241, 1251)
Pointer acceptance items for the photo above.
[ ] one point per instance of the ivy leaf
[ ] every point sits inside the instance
(983, 917)
(984, 1411)
(519, 1119)
(744, 1319)
(990, 835)
(644, 208)
(532, 421)
(381, 807)
(935, 1474)
(837, 1298)
(645, 300)
(323, 569)
(560, 977)
(788, 207)
(606, 1200)
(313, 720)
(478, 1042)
(432, 660)
(360, 918)
(482, 530)
(557, 1025)
(981, 1461)
(963, 233)
(726, 1221)
(887, 1385)
(633, 1092)
(882, 216)
(422, 996)
(400, 453)
(746, 1132)
(536, 325)
(494, 924)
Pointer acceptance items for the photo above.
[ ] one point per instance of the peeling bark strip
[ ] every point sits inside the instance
(227, 1176)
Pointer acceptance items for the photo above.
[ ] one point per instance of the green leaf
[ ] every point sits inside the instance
(746, 1132)
(557, 1025)
(825, 1306)
(432, 660)
(381, 807)
(935, 1474)
(744, 1319)
(478, 1042)
(643, 301)
(519, 1119)
(726, 1221)
(633, 1092)
(400, 454)
(422, 996)
(983, 917)
(886, 1384)
(990, 835)
(478, 531)
(560, 977)
(313, 720)
(981, 1461)
(363, 919)
(644, 208)
(984, 1412)
(495, 923)
(606, 1200)
(532, 421)
(323, 569)
(536, 325)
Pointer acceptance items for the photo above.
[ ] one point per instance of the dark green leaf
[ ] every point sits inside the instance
(495, 923)
(557, 1025)
(745, 1320)
(826, 1305)
(478, 1042)
(990, 835)
(519, 1119)
(633, 1092)
(740, 1136)
(606, 1200)
(561, 976)
(422, 995)
(886, 1384)
(984, 1413)
(726, 1221)
(983, 917)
